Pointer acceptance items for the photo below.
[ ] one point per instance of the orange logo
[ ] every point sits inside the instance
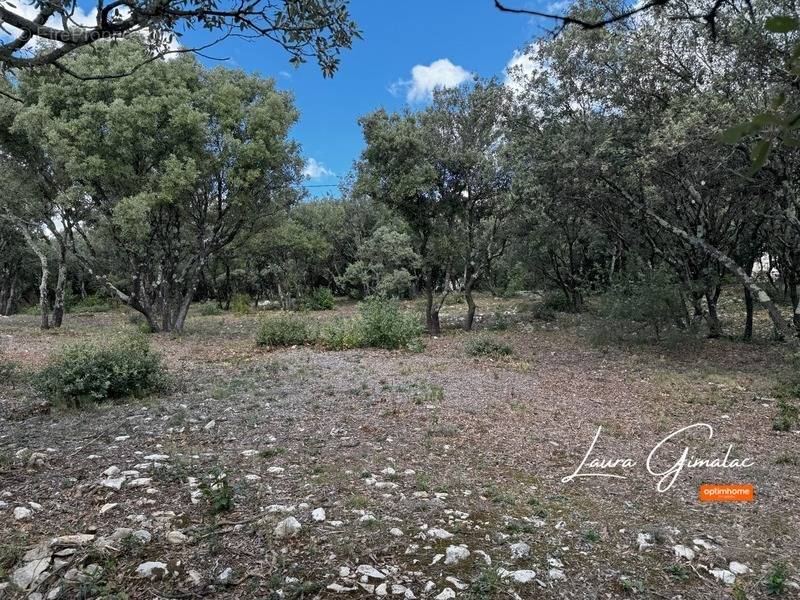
(739, 492)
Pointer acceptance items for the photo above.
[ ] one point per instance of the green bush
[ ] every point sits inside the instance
(485, 346)
(787, 418)
(384, 326)
(87, 372)
(342, 334)
(652, 301)
(319, 299)
(209, 309)
(241, 304)
(94, 303)
(286, 330)
(8, 370)
(556, 301)
(378, 324)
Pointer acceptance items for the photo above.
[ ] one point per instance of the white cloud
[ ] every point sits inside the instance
(316, 170)
(425, 79)
(523, 65)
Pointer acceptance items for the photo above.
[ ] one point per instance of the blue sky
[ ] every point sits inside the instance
(397, 36)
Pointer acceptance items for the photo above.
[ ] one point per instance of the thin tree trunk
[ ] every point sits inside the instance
(61, 286)
(748, 321)
(714, 326)
(45, 275)
(470, 307)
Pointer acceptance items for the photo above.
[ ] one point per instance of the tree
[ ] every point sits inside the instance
(317, 29)
(442, 170)
(175, 163)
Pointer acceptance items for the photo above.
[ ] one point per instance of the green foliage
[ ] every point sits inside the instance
(556, 301)
(777, 578)
(487, 586)
(788, 416)
(218, 494)
(342, 334)
(319, 299)
(378, 324)
(94, 303)
(86, 373)
(242, 304)
(384, 326)
(8, 370)
(486, 346)
(653, 302)
(286, 330)
(209, 308)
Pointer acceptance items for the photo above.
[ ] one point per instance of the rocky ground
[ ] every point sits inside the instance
(302, 473)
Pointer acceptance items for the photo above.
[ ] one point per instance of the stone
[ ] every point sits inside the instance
(644, 540)
(115, 483)
(439, 534)
(249, 452)
(556, 574)
(157, 457)
(72, 541)
(107, 507)
(724, 576)
(369, 571)
(318, 514)
(226, 576)
(142, 536)
(210, 425)
(152, 570)
(455, 554)
(460, 585)
(26, 575)
(21, 513)
(523, 576)
(446, 594)
(339, 589)
(520, 550)
(275, 470)
(344, 571)
(287, 528)
(682, 551)
(140, 482)
(176, 538)
(111, 471)
(484, 557)
(380, 590)
(738, 568)
(396, 532)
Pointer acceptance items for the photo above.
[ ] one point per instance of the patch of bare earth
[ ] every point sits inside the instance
(395, 446)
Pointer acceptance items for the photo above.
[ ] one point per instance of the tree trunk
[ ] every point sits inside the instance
(748, 321)
(431, 315)
(61, 286)
(714, 326)
(470, 307)
(794, 294)
(43, 302)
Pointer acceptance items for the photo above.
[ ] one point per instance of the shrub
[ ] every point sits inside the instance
(342, 334)
(241, 304)
(319, 299)
(788, 415)
(378, 324)
(87, 372)
(384, 326)
(653, 301)
(556, 301)
(484, 346)
(285, 330)
(94, 303)
(8, 370)
(209, 309)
